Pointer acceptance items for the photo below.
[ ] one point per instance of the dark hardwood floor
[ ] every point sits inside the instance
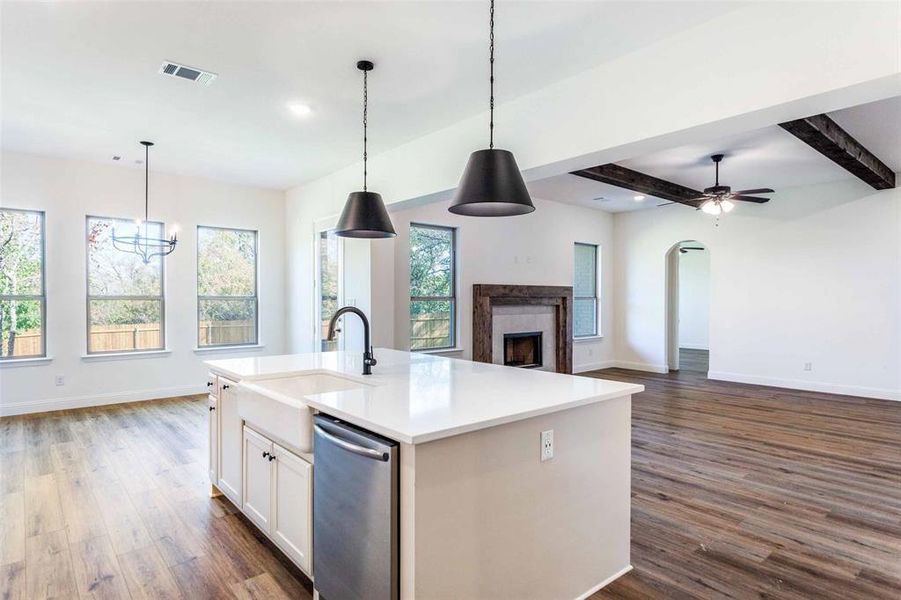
(113, 502)
(738, 492)
(742, 491)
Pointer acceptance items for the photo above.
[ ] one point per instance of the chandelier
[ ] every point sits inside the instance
(145, 245)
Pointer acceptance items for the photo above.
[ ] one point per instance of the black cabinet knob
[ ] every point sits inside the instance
(271, 457)
(212, 408)
(265, 454)
(209, 384)
(224, 386)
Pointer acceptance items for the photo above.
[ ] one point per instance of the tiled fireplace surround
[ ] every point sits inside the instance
(500, 309)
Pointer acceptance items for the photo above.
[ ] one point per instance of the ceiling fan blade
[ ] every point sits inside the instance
(755, 191)
(756, 199)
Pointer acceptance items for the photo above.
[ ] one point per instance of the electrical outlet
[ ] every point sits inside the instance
(60, 380)
(808, 366)
(547, 445)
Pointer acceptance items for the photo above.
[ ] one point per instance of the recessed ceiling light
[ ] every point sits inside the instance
(638, 198)
(117, 158)
(299, 109)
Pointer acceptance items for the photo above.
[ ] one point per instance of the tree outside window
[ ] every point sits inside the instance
(227, 302)
(126, 310)
(432, 287)
(22, 299)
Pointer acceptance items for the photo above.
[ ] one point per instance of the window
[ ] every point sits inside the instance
(226, 287)
(126, 311)
(585, 291)
(22, 300)
(328, 285)
(432, 287)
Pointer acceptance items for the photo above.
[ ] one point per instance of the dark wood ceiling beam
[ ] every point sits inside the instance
(826, 137)
(641, 183)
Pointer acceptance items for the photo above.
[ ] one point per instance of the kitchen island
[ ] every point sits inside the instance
(486, 509)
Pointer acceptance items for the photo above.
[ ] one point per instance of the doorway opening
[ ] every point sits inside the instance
(688, 307)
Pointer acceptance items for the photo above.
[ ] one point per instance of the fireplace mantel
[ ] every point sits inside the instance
(485, 296)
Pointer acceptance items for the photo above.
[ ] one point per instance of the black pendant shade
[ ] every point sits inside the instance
(491, 186)
(364, 216)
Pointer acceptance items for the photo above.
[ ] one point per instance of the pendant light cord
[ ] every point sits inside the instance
(491, 77)
(146, 184)
(365, 122)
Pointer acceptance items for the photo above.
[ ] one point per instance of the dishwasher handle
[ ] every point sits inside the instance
(361, 450)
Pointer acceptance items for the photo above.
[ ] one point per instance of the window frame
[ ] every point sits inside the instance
(88, 297)
(256, 288)
(42, 298)
(597, 291)
(452, 298)
(317, 301)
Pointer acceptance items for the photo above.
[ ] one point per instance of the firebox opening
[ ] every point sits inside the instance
(522, 349)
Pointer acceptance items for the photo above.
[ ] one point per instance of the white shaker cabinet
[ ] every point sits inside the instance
(278, 495)
(258, 468)
(292, 514)
(230, 441)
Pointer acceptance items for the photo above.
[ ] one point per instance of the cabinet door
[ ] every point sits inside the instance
(292, 519)
(230, 441)
(257, 478)
(214, 440)
(212, 384)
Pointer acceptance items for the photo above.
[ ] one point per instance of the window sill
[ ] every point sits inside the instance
(588, 338)
(25, 362)
(210, 349)
(125, 355)
(438, 351)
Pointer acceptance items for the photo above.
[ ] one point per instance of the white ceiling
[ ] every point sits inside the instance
(768, 157)
(79, 79)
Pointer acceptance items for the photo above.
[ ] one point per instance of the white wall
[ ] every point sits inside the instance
(694, 298)
(68, 190)
(813, 276)
(811, 61)
(535, 249)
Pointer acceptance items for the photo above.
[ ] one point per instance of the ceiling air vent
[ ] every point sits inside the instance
(190, 73)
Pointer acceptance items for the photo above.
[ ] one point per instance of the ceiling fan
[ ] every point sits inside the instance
(719, 199)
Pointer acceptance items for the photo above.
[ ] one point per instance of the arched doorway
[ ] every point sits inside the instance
(688, 307)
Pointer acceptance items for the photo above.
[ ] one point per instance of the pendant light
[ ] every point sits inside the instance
(145, 246)
(492, 185)
(364, 214)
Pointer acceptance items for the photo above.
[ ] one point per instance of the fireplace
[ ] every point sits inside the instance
(498, 309)
(523, 350)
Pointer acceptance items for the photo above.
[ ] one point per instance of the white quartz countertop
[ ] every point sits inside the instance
(416, 398)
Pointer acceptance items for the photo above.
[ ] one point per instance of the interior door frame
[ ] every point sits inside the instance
(322, 227)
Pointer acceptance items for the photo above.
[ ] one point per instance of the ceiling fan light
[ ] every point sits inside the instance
(711, 208)
(727, 205)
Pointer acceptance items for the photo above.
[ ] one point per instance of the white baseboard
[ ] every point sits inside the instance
(620, 364)
(605, 583)
(593, 366)
(38, 406)
(638, 366)
(693, 346)
(811, 386)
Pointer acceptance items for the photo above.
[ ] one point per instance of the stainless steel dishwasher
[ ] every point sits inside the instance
(355, 513)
